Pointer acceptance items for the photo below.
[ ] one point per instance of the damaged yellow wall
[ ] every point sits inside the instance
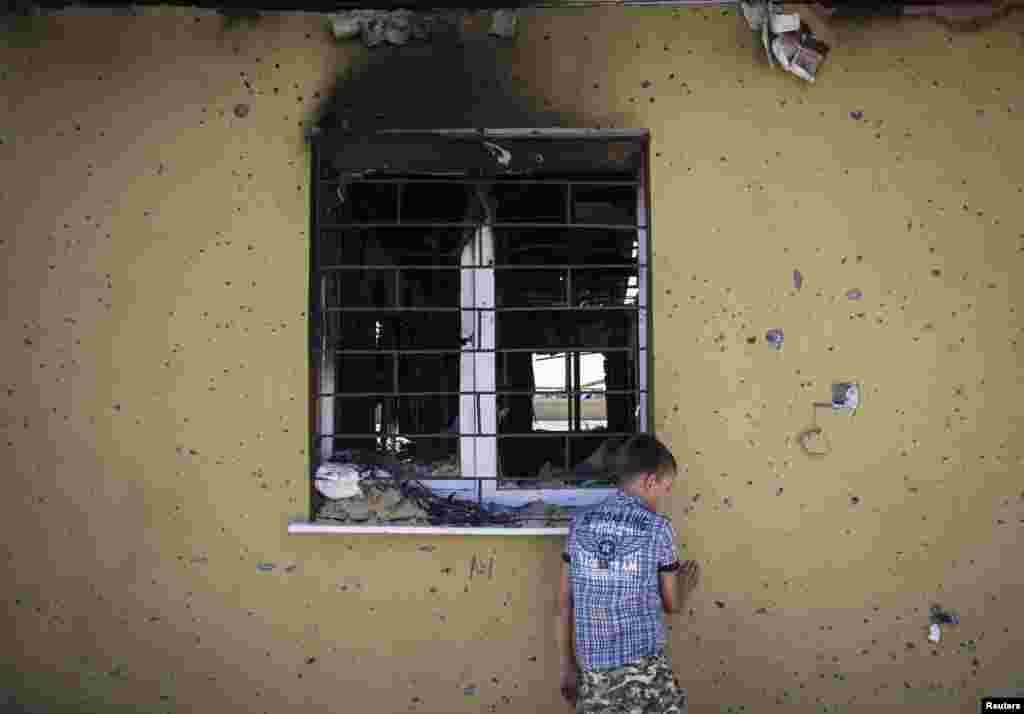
(155, 394)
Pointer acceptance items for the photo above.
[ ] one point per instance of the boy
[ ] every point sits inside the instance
(620, 571)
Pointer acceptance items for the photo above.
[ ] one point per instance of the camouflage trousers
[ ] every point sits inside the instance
(645, 687)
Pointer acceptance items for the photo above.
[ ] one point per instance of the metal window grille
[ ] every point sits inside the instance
(438, 305)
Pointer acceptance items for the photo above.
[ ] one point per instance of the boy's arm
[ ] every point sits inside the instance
(675, 580)
(676, 585)
(669, 591)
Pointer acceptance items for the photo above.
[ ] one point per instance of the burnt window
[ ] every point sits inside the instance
(479, 324)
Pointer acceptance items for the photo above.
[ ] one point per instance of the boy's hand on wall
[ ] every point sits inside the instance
(689, 577)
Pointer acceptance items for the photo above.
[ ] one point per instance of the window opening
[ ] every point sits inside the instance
(480, 342)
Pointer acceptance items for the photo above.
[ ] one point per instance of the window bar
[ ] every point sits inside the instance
(316, 345)
(499, 182)
(632, 263)
(478, 337)
(568, 202)
(394, 373)
(565, 463)
(568, 406)
(504, 362)
(449, 434)
(521, 393)
(468, 377)
(454, 224)
(327, 378)
(527, 308)
(485, 285)
(442, 351)
(398, 202)
(576, 386)
(644, 363)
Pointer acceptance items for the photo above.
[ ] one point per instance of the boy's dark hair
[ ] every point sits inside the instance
(643, 454)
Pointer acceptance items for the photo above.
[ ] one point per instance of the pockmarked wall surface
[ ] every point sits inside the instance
(155, 202)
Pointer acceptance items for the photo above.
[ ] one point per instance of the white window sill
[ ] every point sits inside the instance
(306, 528)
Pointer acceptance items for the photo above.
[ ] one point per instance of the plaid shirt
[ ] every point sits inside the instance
(615, 551)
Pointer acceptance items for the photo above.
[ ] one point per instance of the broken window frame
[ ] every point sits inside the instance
(477, 373)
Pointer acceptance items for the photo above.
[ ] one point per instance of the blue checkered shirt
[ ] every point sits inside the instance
(615, 551)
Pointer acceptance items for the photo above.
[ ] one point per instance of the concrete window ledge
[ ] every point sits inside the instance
(307, 528)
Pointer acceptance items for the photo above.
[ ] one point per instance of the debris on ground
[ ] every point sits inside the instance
(386, 491)
(379, 504)
(337, 480)
(775, 337)
(398, 27)
(534, 515)
(346, 25)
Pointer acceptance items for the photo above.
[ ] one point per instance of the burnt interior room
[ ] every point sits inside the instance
(397, 246)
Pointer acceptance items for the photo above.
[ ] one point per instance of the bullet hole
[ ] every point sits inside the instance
(854, 500)
(241, 110)
(751, 340)
(646, 83)
(719, 604)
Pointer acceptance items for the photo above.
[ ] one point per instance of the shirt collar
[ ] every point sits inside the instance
(635, 500)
